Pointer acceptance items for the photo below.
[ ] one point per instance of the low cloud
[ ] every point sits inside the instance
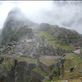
(62, 13)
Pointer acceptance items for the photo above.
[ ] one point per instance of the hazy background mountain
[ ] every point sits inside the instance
(15, 26)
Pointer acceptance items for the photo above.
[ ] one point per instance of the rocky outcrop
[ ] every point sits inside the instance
(13, 70)
(52, 64)
(35, 76)
(23, 70)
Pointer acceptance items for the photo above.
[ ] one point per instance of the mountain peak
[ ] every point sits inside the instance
(15, 22)
(17, 14)
(15, 11)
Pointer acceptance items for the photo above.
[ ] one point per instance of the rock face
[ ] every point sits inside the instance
(52, 64)
(23, 70)
(16, 34)
(15, 71)
(35, 76)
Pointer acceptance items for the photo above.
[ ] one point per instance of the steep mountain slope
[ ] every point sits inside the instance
(19, 39)
(39, 54)
(61, 37)
(16, 28)
(44, 39)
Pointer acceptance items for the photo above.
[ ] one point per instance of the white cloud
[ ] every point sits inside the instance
(5, 7)
(54, 12)
(30, 8)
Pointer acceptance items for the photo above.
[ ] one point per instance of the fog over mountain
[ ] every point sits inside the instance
(62, 13)
(37, 43)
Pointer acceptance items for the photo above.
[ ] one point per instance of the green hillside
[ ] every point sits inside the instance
(55, 42)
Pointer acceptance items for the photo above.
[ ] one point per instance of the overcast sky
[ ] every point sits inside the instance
(62, 13)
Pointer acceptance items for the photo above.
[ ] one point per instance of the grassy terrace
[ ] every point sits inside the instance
(54, 42)
(39, 71)
(72, 61)
(27, 59)
(9, 62)
(74, 58)
(49, 60)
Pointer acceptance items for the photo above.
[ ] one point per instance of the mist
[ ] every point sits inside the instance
(66, 14)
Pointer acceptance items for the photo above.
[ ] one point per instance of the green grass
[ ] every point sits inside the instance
(7, 64)
(44, 74)
(76, 59)
(48, 60)
(72, 61)
(27, 59)
(39, 71)
(54, 42)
